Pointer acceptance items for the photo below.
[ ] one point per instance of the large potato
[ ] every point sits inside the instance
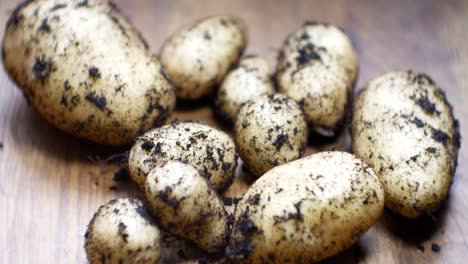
(86, 69)
(306, 210)
(317, 66)
(270, 130)
(248, 80)
(403, 127)
(198, 56)
(186, 205)
(210, 151)
(121, 231)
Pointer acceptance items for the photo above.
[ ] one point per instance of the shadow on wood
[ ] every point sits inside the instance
(416, 231)
(355, 254)
(51, 141)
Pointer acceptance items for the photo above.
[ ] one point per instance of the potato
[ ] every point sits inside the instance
(210, 151)
(270, 130)
(86, 70)
(121, 231)
(404, 128)
(317, 67)
(248, 80)
(198, 56)
(186, 205)
(306, 210)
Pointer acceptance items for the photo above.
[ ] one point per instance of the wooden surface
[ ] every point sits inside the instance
(51, 183)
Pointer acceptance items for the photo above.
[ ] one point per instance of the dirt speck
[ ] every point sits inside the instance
(280, 141)
(440, 136)
(426, 105)
(42, 67)
(307, 53)
(435, 248)
(99, 101)
(94, 72)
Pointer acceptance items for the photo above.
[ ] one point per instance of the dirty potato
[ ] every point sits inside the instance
(248, 80)
(197, 57)
(306, 210)
(210, 151)
(86, 69)
(270, 130)
(317, 67)
(186, 205)
(404, 128)
(121, 231)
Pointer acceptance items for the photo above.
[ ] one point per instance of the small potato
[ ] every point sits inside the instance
(404, 128)
(86, 70)
(211, 151)
(250, 79)
(306, 210)
(186, 205)
(121, 231)
(270, 130)
(317, 67)
(198, 56)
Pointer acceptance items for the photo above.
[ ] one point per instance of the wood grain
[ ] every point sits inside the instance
(51, 183)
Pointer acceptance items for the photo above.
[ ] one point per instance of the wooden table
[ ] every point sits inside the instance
(51, 183)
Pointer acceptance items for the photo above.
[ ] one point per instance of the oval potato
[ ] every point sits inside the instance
(211, 151)
(186, 205)
(306, 210)
(403, 127)
(270, 130)
(198, 56)
(121, 231)
(248, 80)
(86, 70)
(317, 67)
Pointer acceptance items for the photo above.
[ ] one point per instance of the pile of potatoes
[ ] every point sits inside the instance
(88, 71)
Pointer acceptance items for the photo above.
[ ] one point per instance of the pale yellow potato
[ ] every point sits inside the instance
(122, 231)
(404, 128)
(248, 80)
(270, 130)
(317, 67)
(306, 210)
(186, 204)
(211, 151)
(198, 56)
(86, 69)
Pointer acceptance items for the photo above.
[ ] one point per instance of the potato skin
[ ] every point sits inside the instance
(198, 56)
(317, 67)
(121, 231)
(186, 205)
(211, 151)
(306, 210)
(86, 70)
(270, 130)
(404, 128)
(251, 78)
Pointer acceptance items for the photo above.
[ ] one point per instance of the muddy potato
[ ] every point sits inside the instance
(186, 205)
(210, 151)
(248, 80)
(317, 67)
(86, 69)
(270, 130)
(121, 231)
(306, 210)
(404, 128)
(197, 57)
